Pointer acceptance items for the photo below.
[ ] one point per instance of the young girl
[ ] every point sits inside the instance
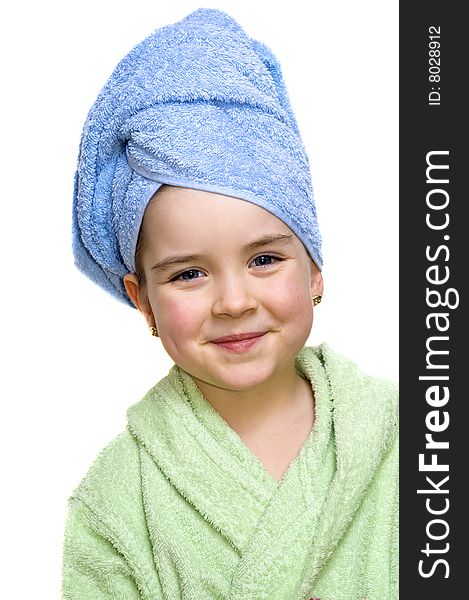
(258, 467)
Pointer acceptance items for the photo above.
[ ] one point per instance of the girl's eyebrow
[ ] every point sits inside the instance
(274, 238)
(176, 259)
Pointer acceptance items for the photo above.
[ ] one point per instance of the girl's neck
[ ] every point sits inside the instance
(272, 407)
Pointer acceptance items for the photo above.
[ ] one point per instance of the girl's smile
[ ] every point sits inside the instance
(239, 342)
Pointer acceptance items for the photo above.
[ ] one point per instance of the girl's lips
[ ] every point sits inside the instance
(241, 344)
(236, 337)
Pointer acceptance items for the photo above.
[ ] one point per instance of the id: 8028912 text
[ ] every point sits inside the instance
(434, 65)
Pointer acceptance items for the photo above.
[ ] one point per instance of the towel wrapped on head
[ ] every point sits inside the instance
(197, 104)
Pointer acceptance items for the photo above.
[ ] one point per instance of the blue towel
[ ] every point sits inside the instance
(197, 104)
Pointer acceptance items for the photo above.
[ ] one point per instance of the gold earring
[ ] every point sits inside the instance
(317, 299)
(154, 331)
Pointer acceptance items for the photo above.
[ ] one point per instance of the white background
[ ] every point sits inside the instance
(73, 358)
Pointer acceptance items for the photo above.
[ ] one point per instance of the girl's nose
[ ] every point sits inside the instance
(233, 297)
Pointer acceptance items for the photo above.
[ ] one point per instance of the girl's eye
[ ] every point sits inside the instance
(265, 260)
(188, 275)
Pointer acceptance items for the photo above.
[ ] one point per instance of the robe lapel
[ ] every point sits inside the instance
(293, 540)
(364, 427)
(202, 457)
(273, 559)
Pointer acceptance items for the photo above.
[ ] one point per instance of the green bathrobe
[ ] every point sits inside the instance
(177, 506)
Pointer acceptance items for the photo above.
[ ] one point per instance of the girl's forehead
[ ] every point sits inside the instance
(188, 221)
(174, 207)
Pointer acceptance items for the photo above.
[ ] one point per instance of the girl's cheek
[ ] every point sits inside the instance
(179, 314)
(290, 295)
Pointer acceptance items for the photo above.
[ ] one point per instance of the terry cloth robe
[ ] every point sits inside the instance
(179, 507)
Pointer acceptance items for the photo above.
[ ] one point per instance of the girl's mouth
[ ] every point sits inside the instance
(239, 342)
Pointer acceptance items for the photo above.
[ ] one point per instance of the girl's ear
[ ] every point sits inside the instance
(317, 284)
(139, 297)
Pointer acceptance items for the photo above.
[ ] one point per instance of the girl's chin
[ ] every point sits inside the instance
(237, 380)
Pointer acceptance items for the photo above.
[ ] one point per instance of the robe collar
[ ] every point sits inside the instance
(212, 468)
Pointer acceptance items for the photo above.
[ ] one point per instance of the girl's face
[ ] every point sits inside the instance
(216, 266)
